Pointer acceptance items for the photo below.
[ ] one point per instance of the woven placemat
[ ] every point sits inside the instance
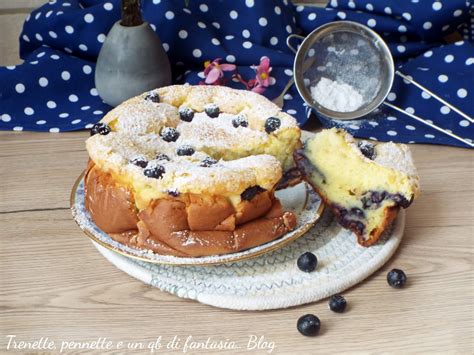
(273, 280)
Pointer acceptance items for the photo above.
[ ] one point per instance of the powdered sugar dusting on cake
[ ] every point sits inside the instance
(219, 133)
(390, 155)
(137, 132)
(395, 156)
(139, 116)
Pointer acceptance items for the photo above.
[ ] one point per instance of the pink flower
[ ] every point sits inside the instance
(214, 74)
(263, 73)
(214, 71)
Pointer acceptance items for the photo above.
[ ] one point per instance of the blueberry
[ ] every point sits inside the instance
(212, 110)
(366, 203)
(153, 97)
(340, 211)
(240, 120)
(378, 197)
(357, 212)
(307, 262)
(272, 124)
(251, 192)
(169, 134)
(185, 150)
(161, 156)
(100, 128)
(356, 226)
(155, 172)
(186, 114)
(207, 162)
(401, 200)
(337, 303)
(142, 163)
(373, 199)
(396, 278)
(368, 149)
(173, 192)
(308, 325)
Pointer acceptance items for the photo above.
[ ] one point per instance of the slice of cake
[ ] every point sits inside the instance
(365, 184)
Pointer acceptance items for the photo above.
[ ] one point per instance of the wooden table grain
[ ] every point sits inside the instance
(55, 285)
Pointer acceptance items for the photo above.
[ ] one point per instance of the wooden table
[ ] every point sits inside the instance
(55, 284)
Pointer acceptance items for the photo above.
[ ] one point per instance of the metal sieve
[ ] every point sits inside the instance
(350, 53)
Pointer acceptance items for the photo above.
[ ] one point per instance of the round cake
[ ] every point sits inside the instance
(191, 170)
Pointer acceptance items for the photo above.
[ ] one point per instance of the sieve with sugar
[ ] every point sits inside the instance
(350, 53)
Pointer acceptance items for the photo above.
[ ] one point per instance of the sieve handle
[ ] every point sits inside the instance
(421, 120)
(288, 41)
(422, 88)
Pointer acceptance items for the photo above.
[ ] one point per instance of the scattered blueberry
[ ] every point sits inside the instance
(207, 162)
(169, 134)
(308, 325)
(368, 149)
(153, 97)
(272, 124)
(173, 192)
(307, 262)
(142, 163)
(212, 110)
(155, 172)
(396, 278)
(100, 128)
(185, 150)
(337, 303)
(186, 114)
(251, 192)
(240, 120)
(161, 156)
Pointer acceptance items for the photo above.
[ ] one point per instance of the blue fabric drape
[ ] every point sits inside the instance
(53, 90)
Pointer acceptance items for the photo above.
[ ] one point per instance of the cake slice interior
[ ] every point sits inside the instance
(363, 183)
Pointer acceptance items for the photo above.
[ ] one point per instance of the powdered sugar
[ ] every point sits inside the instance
(336, 96)
(219, 133)
(206, 126)
(396, 156)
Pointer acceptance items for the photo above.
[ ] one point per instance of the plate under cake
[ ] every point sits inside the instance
(365, 184)
(191, 171)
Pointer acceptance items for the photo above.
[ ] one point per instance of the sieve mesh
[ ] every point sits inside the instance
(344, 53)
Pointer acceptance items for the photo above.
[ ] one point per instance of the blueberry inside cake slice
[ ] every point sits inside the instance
(365, 184)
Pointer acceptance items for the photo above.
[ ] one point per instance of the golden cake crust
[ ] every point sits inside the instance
(184, 225)
(201, 201)
(247, 155)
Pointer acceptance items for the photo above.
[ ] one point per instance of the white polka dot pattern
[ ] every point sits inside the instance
(60, 44)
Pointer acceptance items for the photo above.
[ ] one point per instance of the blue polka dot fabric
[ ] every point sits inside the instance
(53, 90)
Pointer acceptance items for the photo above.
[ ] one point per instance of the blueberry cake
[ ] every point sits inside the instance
(365, 184)
(191, 171)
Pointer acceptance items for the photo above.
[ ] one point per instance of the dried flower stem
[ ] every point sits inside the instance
(131, 13)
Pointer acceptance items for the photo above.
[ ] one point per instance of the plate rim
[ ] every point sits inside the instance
(303, 230)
